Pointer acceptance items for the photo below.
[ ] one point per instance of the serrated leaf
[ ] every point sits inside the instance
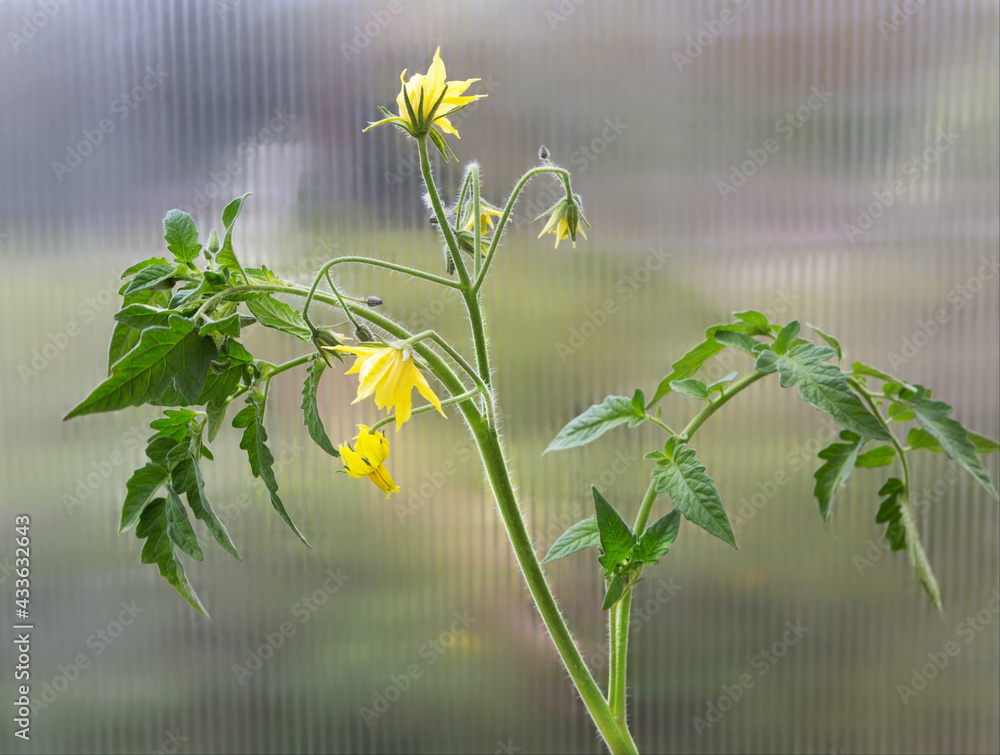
(952, 437)
(830, 340)
(616, 538)
(656, 541)
(691, 387)
(860, 368)
(616, 590)
(756, 319)
(578, 537)
(250, 420)
(179, 528)
(593, 423)
(273, 313)
(741, 341)
(153, 276)
(174, 353)
(141, 487)
(786, 337)
(889, 512)
(175, 423)
(228, 326)
(823, 386)
(681, 476)
(902, 533)
(226, 256)
(186, 477)
(310, 408)
(881, 456)
(921, 440)
(181, 235)
(142, 316)
(840, 459)
(159, 549)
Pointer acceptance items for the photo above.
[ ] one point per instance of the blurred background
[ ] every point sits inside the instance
(834, 162)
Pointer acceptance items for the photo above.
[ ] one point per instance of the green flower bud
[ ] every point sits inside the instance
(324, 340)
(213, 242)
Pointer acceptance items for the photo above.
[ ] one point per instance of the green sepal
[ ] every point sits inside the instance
(578, 537)
(616, 538)
(823, 386)
(181, 235)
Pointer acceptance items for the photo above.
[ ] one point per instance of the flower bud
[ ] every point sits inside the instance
(363, 334)
(373, 301)
(543, 153)
(324, 340)
(213, 242)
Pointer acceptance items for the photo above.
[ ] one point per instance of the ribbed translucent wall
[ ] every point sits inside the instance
(831, 162)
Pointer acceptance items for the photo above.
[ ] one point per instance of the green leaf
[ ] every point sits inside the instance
(719, 385)
(179, 528)
(823, 386)
(181, 235)
(227, 255)
(656, 541)
(228, 326)
(902, 533)
(123, 340)
(186, 477)
(757, 320)
(578, 537)
(952, 437)
(158, 549)
(921, 440)
(215, 415)
(142, 316)
(175, 424)
(880, 456)
(786, 337)
(859, 368)
(272, 313)
(840, 460)
(616, 590)
(830, 340)
(692, 492)
(310, 408)
(617, 538)
(890, 512)
(639, 403)
(593, 423)
(741, 341)
(141, 487)
(691, 387)
(133, 269)
(689, 364)
(174, 353)
(152, 277)
(251, 420)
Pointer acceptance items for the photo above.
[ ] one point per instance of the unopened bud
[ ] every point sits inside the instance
(543, 153)
(373, 301)
(325, 340)
(363, 334)
(213, 241)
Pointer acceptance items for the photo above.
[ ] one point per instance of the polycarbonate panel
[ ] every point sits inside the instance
(833, 162)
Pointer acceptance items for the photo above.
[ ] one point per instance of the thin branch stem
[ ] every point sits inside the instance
(422, 409)
(449, 236)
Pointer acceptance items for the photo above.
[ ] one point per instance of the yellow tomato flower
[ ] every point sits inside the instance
(391, 374)
(485, 219)
(564, 221)
(366, 459)
(431, 100)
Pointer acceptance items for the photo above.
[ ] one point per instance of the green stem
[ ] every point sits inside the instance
(659, 422)
(619, 658)
(477, 210)
(449, 350)
(615, 734)
(423, 409)
(714, 406)
(449, 236)
(508, 208)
